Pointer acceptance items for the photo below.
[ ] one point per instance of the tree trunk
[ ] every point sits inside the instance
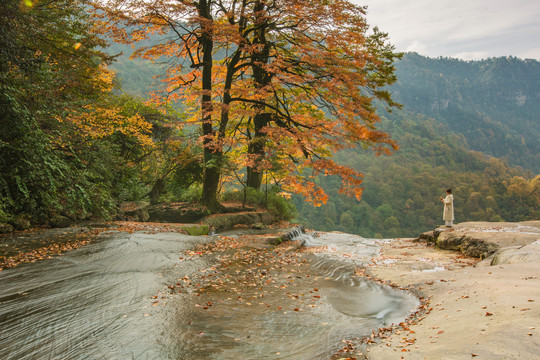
(156, 191)
(212, 159)
(256, 150)
(212, 174)
(262, 78)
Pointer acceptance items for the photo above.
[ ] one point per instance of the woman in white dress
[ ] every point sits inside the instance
(448, 213)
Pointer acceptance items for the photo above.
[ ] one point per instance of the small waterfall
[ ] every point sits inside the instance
(299, 234)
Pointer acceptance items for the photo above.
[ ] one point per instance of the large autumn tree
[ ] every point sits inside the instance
(191, 32)
(316, 71)
(282, 85)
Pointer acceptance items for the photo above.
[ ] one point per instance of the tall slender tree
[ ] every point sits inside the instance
(320, 71)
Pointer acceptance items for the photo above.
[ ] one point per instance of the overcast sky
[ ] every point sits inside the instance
(466, 29)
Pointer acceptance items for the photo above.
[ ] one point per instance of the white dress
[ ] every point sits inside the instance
(448, 213)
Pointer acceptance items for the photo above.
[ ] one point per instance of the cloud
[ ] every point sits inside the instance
(416, 46)
(474, 55)
(459, 27)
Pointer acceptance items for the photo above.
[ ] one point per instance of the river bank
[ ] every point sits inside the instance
(476, 310)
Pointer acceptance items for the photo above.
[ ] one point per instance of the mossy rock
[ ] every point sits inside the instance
(135, 210)
(59, 221)
(221, 222)
(21, 223)
(197, 230)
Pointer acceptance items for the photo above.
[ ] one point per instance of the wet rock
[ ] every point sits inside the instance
(524, 254)
(5, 228)
(289, 235)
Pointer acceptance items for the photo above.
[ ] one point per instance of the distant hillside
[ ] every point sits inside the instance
(401, 192)
(136, 77)
(455, 116)
(494, 103)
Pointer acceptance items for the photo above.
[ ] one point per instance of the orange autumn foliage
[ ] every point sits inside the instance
(322, 67)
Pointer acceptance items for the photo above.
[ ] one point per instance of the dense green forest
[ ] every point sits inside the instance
(494, 103)
(464, 125)
(78, 140)
(72, 147)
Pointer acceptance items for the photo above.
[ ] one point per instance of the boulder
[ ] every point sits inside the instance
(428, 236)
(176, 213)
(502, 241)
(59, 221)
(468, 245)
(266, 218)
(21, 223)
(221, 222)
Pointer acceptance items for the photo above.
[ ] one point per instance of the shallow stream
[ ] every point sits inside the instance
(155, 296)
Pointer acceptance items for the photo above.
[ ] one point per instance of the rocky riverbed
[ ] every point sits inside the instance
(478, 285)
(145, 291)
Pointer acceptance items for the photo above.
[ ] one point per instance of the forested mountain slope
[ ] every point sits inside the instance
(494, 103)
(402, 191)
(463, 125)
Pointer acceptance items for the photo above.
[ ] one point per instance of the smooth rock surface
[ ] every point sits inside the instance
(485, 239)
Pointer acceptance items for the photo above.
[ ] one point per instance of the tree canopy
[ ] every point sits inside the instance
(276, 86)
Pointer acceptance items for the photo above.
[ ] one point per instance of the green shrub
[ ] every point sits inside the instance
(277, 205)
(192, 194)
